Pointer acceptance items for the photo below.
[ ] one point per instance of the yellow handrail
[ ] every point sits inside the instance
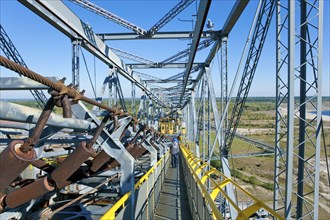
(111, 213)
(245, 213)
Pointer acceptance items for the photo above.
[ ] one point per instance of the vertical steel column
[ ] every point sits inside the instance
(280, 85)
(150, 115)
(194, 123)
(190, 124)
(224, 160)
(203, 93)
(208, 133)
(290, 116)
(75, 61)
(112, 85)
(302, 109)
(224, 86)
(301, 169)
(133, 99)
(141, 113)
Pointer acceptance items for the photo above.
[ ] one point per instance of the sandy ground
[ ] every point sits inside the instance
(308, 115)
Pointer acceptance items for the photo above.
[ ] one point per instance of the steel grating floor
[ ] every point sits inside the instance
(173, 202)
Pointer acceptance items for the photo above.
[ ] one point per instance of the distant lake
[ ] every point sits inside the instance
(325, 112)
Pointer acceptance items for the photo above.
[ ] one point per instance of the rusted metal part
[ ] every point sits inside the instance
(115, 123)
(66, 104)
(2, 203)
(99, 161)
(154, 145)
(21, 182)
(98, 131)
(102, 157)
(113, 163)
(34, 138)
(13, 161)
(123, 134)
(28, 192)
(58, 86)
(70, 165)
(137, 150)
(42, 165)
(82, 173)
(48, 215)
(140, 152)
(60, 159)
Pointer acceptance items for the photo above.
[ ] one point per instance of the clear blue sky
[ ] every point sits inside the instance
(48, 52)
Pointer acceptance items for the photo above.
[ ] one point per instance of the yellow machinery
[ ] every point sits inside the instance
(171, 126)
(168, 126)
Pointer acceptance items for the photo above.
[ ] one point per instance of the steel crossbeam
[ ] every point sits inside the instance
(108, 15)
(169, 16)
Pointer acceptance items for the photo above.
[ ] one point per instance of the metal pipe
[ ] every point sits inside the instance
(34, 138)
(71, 164)
(67, 113)
(13, 161)
(99, 161)
(29, 192)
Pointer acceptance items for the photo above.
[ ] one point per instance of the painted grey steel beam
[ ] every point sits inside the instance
(110, 16)
(169, 16)
(112, 146)
(158, 36)
(203, 9)
(133, 57)
(165, 81)
(162, 65)
(235, 13)
(61, 17)
(224, 160)
(153, 152)
(16, 83)
(20, 113)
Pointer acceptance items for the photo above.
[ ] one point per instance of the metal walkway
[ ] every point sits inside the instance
(173, 197)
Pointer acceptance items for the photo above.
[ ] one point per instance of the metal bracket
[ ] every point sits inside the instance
(112, 146)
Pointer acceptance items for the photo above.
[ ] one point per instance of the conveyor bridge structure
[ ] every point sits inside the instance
(81, 156)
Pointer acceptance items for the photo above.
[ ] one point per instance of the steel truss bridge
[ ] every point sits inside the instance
(110, 162)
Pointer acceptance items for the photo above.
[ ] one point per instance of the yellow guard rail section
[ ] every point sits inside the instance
(197, 166)
(111, 213)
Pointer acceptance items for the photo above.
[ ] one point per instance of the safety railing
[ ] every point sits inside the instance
(146, 192)
(202, 199)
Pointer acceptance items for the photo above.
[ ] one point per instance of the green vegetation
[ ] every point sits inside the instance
(252, 180)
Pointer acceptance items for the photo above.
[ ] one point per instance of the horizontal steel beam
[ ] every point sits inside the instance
(16, 83)
(19, 113)
(161, 65)
(158, 36)
(164, 81)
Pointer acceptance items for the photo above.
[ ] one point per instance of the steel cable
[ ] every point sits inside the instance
(57, 86)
